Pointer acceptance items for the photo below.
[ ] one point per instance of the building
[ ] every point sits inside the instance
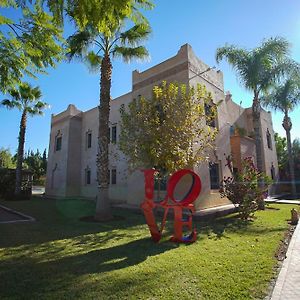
(73, 138)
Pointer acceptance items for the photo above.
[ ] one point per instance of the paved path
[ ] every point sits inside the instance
(8, 215)
(288, 282)
(283, 201)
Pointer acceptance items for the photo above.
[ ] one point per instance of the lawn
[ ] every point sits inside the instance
(61, 257)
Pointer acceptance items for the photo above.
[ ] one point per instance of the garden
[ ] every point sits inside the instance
(62, 255)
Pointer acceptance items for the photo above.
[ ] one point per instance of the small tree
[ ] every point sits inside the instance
(170, 131)
(242, 188)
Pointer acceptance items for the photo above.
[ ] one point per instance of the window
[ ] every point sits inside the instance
(89, 139)
(160, 184)
(113, 176)
(214, 176)
(87, 176)
(58, 142)
(269, 139)
(114, 134)
(208, 111)
(273, 172)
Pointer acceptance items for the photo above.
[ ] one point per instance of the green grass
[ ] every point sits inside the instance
(60, 257)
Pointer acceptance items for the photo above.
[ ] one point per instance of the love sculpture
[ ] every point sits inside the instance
(186, 205)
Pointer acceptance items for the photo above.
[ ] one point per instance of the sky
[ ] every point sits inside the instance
(205, 25)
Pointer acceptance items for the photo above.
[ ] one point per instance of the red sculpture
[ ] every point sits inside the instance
(178, 206)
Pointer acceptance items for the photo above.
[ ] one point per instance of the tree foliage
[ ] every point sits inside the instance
(6, 159)
(37, 163)
(285, 96)
(168, 131)
(25, 98)
(28, 44)
(258, 69)
(281, 150)
(296, 155)
(282, 155)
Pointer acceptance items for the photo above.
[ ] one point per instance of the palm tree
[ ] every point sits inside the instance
(26, 99)
(285, 97)
(258, 69)
(106, 44)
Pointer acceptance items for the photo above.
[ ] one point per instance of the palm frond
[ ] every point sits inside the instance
(135, 34)
(78, 44)
(27, 98)
(129, 53)
(273, 49)
(272, 75)
(15, 94)
(242, 63)
(283, 97)
(234, 55)
(41, 105)
(10, 104)
(93, 61)
(33, 111)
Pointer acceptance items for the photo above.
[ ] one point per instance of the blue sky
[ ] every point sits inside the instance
(205, 25)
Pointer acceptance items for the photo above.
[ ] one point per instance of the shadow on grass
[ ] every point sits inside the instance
(48, 274)
(60, 219)
(231, 223)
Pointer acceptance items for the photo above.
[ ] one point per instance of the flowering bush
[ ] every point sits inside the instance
(243, 187)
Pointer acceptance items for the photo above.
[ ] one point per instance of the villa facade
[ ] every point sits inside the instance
(73, 144)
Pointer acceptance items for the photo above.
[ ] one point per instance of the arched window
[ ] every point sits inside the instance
(87, 175)
(88, 139)
(269, 139)
(58, 141)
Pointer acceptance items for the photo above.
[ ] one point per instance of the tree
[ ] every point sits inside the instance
(258, 69)
(296, 156)
(27, 100)
(171, 130)
(282, 156)
(6, 159)
(102, 29)
(44, 162)
(28, 45)
(36, 163)
(285, 97)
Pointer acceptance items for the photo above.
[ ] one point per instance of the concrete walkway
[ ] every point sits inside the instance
(274, 199)
(287, 286)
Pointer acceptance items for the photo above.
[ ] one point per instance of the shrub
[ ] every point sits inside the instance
(243, 187)
(8, 182)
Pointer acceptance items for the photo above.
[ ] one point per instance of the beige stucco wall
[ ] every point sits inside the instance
(60, 181)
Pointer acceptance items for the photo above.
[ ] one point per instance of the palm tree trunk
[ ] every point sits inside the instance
(256, 108)
(103, 210)
(257, 128)
(287, 125)
(20, 154)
